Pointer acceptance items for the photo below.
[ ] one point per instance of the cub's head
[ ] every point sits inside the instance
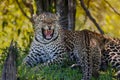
(46, 27)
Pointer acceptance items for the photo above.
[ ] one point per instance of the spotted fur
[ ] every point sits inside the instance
(111, 54)
(52, 44)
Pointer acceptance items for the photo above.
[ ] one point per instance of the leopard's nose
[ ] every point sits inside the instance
(49, 27)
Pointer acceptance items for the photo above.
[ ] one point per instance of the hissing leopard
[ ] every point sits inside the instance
(53, 45)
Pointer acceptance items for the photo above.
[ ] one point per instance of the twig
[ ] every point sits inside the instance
(90, 16)
(112, 8)
(23, 11)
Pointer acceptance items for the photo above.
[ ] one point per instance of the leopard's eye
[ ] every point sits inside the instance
(41, 20)
(46, 27)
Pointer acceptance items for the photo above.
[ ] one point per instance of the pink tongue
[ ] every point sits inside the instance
(48, 33)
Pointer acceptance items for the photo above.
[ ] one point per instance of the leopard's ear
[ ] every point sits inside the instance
(34, 17)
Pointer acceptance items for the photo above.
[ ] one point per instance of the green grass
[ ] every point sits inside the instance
(54, 72)
(57, 73)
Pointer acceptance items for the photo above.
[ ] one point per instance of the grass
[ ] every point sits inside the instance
(54, 72)
(57, 73)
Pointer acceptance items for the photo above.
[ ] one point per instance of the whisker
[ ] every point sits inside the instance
(65, 20)
(64, 17)
(64, 23)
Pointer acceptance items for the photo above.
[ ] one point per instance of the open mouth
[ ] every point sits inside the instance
(47, 34)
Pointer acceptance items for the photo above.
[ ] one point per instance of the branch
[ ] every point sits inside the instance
(90, 16)
(112, 8)
(71, 14)
(29, 5)
(23, 11)
(88, 4)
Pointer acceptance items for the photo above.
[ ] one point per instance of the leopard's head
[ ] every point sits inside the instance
(46, 27)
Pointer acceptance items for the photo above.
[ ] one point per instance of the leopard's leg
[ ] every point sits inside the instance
(116, 64)
(86, 64)
(118, 71)
(75, 57)
(96, 61)
(104, 61)
(118, 75)
(33, 59)
(58, 59)
(83, 60)
(104, 64)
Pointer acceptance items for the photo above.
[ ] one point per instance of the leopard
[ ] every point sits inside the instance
(111, 54)
(53, 45)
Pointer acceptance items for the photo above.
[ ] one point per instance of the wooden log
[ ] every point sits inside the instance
(9, 68)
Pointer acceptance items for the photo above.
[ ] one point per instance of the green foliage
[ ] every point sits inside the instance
(14, 25)
(54, 72)
(104, 15)
(2, 59)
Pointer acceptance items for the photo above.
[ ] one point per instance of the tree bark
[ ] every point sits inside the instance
(9, 69)
(71, 14)
(44, 6)
(62, 10)
(39, 5)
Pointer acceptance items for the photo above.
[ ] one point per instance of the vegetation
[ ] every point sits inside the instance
(54, 72)
(14, 25)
